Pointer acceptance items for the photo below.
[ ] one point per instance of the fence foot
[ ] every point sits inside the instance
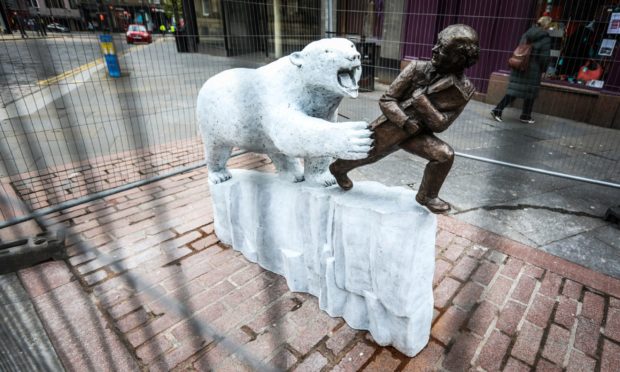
(22, 253)
(613, 214)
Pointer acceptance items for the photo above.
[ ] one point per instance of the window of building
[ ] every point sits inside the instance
(583, 35)
(206, 7)
(55, 4)
(32, 3)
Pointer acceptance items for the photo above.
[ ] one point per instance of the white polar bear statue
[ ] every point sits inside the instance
(287, 110)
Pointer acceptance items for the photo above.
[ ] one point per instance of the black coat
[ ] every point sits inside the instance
(525, 84)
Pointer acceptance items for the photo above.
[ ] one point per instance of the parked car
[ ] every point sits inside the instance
(57, 27)
(138, 34)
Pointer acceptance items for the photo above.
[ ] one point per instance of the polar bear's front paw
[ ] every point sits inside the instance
(219, 176)
(325, 179)
(292, 176)
(354, 139)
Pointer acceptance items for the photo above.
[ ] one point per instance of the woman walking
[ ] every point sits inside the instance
(525, 84)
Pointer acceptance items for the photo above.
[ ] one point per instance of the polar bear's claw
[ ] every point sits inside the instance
(325, 179)
(363, 141)
(292, 176)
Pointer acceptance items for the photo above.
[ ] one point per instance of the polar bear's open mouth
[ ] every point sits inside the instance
(347, 78)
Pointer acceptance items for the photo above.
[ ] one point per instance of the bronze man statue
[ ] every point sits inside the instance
(424, 99)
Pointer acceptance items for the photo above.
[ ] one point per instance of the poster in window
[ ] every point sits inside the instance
(614, 24)
(595, 83)
(607, 47)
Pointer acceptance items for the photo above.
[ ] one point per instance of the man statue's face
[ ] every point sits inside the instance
(445, 59)
(439, 57)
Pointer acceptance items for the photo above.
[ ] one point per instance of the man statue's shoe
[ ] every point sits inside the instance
(434, 205)
(343, 181)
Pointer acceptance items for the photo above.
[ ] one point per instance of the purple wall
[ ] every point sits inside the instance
(612, 79)
(499, 25)
(420, 28)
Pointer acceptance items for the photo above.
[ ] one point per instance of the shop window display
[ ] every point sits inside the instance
(583, 40)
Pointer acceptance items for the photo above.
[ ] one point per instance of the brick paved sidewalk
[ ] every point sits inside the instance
(499, 305)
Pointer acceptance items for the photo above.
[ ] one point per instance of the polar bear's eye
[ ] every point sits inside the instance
(327, 51)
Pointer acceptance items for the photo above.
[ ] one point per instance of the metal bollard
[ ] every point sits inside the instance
(109, 55)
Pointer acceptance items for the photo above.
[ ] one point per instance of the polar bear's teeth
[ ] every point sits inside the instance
(345, 79)
(356, 73)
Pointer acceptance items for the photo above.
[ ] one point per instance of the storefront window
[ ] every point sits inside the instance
(584, 34)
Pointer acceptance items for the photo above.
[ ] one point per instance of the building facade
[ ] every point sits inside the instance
(119, 14)
(82, 15)
(583, 78)
(65, 12)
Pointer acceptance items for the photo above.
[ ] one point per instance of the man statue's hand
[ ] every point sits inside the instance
(411, 127)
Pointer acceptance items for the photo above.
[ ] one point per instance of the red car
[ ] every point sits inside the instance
(138, 34)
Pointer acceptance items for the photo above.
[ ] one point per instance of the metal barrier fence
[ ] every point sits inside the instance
(68, 130)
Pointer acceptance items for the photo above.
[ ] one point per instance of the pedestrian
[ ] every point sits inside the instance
(425, 98)
(41, 24)
(20, 26)
(162, 29)
(37, 27)
(525, 84)
(172, 29)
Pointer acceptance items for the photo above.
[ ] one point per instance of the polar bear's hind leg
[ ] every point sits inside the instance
(217, 156)
(288, 168)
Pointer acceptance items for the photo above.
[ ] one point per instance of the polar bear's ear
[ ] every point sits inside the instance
(296, 58)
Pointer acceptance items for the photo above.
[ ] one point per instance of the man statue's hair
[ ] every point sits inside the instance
(464, 41)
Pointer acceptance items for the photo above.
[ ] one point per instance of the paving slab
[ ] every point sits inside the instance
(541, 223)
(488, 140)
(594, 248)
(78, 330)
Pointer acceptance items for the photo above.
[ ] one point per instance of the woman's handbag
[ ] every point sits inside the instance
(520, 58)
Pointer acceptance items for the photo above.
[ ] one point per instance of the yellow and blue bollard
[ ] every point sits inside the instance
(109, 55)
